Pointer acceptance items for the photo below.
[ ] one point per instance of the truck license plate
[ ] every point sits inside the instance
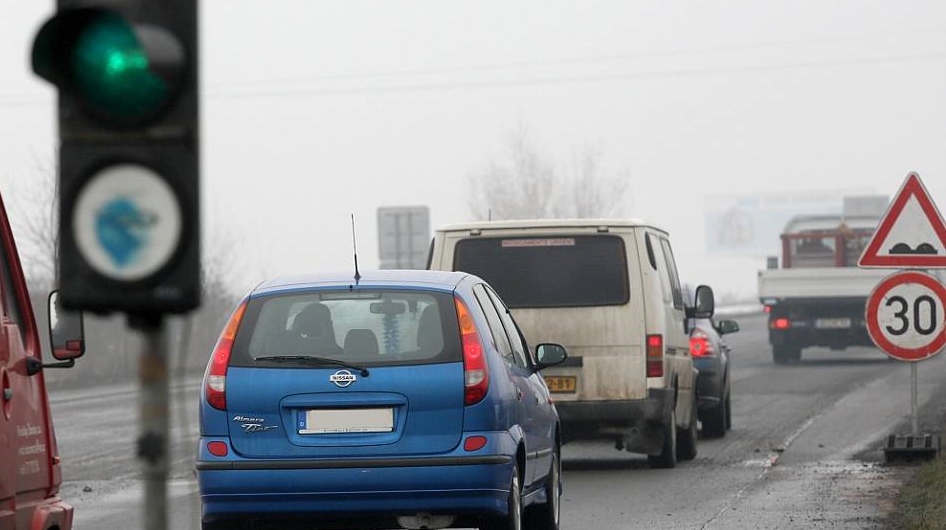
(561, 383)
(833, 323)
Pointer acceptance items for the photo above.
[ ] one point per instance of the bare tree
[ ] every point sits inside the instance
(36, 224)
(528, 186)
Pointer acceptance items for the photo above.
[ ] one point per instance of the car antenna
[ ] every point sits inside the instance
(354, 247)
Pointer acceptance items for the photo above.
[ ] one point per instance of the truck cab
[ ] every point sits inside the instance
(30, 465)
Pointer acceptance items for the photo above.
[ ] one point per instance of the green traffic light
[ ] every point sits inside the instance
(112, 71)
(122, 73)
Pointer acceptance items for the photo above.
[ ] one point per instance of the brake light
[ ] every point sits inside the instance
(215, 378)
(699, 344)
(475, 371)
(781, 323)
(655, 355)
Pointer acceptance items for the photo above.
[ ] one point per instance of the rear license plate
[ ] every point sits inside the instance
(336, 421)
(833, 323)
(561, 383)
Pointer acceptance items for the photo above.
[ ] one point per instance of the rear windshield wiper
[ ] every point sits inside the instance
(312, 360)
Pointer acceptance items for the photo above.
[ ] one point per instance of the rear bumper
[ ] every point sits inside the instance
(51, 512)
(459, 483)
(640, 423)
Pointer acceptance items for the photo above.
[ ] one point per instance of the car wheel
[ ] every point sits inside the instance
(668, 454)
(785, 353)
(546, 516)
(715, 419)
(728, 412)
(686, 438)
(513, 518)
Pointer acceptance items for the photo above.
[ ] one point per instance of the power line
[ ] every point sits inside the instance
(564, 80)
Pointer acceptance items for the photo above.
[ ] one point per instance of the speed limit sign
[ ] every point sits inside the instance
(906, 315)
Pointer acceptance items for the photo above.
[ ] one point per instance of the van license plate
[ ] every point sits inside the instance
(833, 323)
(561, 383)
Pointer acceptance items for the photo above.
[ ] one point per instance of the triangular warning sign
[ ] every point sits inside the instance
(911, 234)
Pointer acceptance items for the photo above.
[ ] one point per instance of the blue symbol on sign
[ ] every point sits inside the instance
(122, 230)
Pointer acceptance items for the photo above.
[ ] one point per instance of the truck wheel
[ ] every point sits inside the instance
(785, 353)
(668, 454)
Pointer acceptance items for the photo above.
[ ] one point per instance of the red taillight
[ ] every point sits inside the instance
(215, 378)
(699, 344)
(474, 443)
(655, 355)
(217, 448)
(475, 371)
(781, 323)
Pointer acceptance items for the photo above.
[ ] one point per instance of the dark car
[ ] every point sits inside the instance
(710, 354)
(397, 398)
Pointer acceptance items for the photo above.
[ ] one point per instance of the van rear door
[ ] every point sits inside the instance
(570, 287)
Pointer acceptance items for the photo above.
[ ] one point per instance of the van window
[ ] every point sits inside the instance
(8, 297)
(672, 271)
(549, 271)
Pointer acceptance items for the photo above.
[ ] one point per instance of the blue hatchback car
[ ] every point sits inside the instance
(394, 399)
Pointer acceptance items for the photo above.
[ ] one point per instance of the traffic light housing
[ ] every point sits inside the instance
(127, 79)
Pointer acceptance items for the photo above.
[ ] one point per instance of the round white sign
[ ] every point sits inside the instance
(906, 315)
(127, 222)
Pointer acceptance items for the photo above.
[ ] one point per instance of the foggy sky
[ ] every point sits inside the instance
(313, 111)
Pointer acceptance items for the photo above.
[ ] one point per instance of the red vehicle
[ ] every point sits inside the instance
(30, 467)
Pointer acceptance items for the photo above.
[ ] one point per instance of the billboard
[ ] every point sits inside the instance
(750, 224)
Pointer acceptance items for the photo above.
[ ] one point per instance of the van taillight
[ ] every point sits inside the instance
(215, 378)
(475, 371)
(699, 344)
(655, 355)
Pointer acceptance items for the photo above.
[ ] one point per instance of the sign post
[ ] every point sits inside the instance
(906, 311)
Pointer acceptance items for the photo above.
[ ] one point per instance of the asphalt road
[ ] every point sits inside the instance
(805, 451)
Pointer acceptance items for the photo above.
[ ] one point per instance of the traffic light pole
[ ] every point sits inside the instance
(153, 417)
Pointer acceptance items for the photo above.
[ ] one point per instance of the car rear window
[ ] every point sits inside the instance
(568, 271)
(364, 327)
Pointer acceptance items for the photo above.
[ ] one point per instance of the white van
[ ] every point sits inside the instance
(608, 290)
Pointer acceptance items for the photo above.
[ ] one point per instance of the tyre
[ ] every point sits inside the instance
(785, 353)
(546, 516)
(714, 421)
(668, 453)
(686, 438)
(728, 412)
(513, 518)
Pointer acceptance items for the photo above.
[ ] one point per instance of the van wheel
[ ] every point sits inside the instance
(513, 518)
(546, 516)
(668, 454)
(686, 438)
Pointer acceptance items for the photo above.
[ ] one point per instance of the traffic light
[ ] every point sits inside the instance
(129, 231)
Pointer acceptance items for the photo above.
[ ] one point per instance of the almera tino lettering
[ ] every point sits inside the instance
(250, 424)
(249, 419)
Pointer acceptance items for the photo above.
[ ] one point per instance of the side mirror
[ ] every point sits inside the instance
(549, 354)
(705, 304)
(727, 326)
(66, 332)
